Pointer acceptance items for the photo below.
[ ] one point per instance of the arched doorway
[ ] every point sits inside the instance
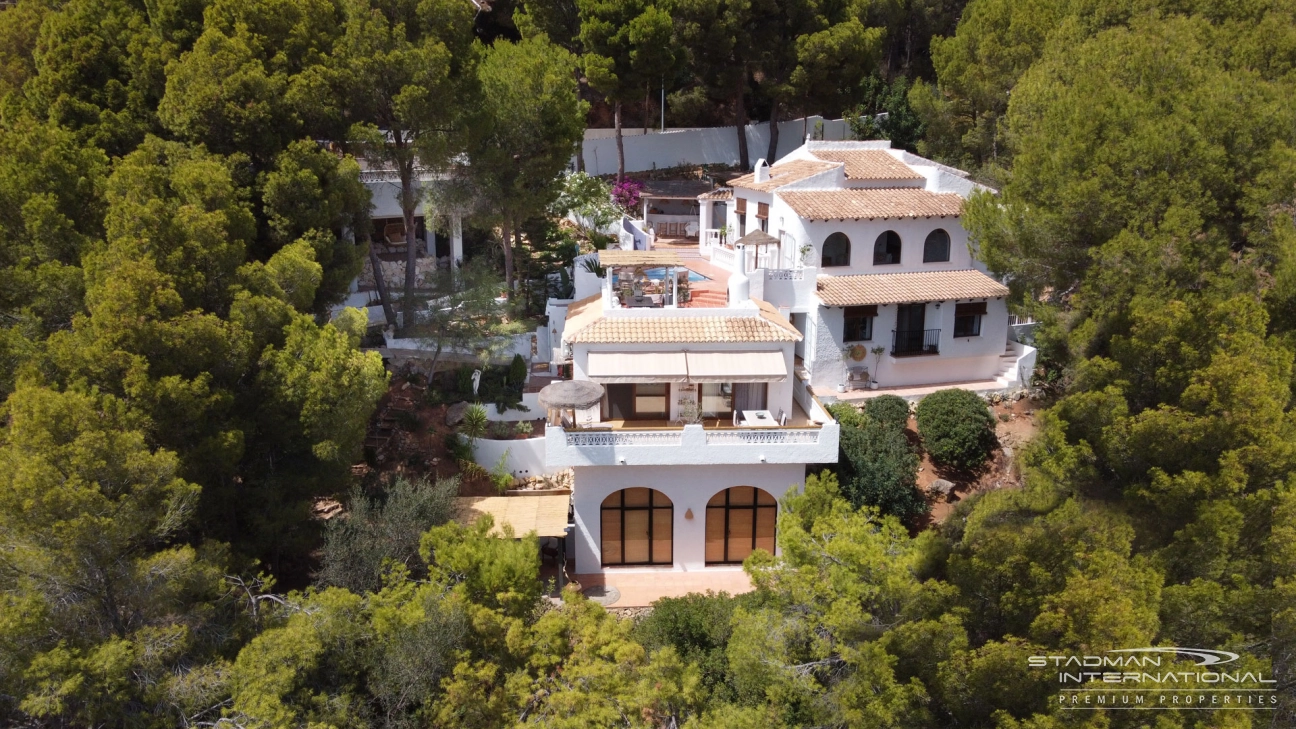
(636, 528)
(739, 520)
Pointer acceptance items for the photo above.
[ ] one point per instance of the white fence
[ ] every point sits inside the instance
(712, 146)
(758, 437)
(624, 438)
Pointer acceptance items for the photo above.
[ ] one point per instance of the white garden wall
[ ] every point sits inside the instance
(711, 146)
(525, 457)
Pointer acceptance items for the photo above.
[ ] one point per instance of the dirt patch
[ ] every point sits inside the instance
(1015, 425)
(407, 436)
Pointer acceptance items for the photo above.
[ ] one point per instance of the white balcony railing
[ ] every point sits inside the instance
(785, 274)
(756, 437)
(724, 258)
(576, 438)
(690, 445)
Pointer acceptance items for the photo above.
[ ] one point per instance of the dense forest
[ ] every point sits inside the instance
(174, 230)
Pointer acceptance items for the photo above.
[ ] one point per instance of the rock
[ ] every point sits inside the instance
(455, 413)
(941, 486)
(1007, 451)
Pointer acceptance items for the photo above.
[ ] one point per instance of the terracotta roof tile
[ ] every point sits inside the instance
(723, 193)
(870, 203)
(904, 288)
(781, 174)
(586, 323)
(869, 164)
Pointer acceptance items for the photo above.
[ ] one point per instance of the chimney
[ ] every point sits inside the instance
(762, 171)
(739, 284)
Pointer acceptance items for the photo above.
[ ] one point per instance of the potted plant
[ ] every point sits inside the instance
(806, 248)
(724, 232)
(877, 352)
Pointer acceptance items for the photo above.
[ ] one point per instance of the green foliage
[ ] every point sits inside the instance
(102, 607)
(500, 475)
(886, 114)
(957, 428)
(889, 411)
(879, 468)
(517, 372)
(589, 198)
(697, 626)
(383, 529)
(846, 414)
(524, 428)
(474, 423)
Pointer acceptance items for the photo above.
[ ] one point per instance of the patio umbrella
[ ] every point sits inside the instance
(570, 395)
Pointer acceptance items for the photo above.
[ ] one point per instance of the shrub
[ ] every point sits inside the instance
(517, 371)
(524, 428)
(877, 467)
(463, 381)
(501, 430)
(474, 422)
(846, 414)
(408, 421)
(891, 411)
(385, 526)
(698, 626)
(500, 474)
(457, 448)
(957, 428)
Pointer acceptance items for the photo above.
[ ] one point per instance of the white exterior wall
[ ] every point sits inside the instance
(688, 488)
(526, 457)
(778, 395)
(964, 358)
(710, 146)
(863, 234)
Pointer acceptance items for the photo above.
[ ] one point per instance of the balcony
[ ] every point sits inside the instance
(801, 441)
(914, 342)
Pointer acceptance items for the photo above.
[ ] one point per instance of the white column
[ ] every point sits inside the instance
(456, 241)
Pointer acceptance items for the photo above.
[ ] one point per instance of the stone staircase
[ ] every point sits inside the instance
(1007, 376)
(707, 297)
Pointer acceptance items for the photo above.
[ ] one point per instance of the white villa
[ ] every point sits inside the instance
(701, 425)
(864, 247)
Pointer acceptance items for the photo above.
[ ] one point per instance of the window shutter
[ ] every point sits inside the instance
(973, 309)
(762, 211)
(857, 311)
(740, 205)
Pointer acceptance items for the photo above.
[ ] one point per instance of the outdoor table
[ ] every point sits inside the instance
(758, 419)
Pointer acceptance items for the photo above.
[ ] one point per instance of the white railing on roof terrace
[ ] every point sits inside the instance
(624, 438)
(785, 274)
(723, 257)
(758, 437)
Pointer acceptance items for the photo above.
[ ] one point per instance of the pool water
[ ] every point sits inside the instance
(658, 274)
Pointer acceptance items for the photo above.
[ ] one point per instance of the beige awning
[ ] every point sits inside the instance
(637, 367)
(737, 367)
(544, 514)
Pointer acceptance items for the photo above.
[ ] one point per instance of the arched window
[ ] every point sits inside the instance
(739, 521)
(637, 527)
(887, 249)
(936, 248)
(836, 251)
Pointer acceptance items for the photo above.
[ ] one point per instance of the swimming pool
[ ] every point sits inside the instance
(658, 274)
